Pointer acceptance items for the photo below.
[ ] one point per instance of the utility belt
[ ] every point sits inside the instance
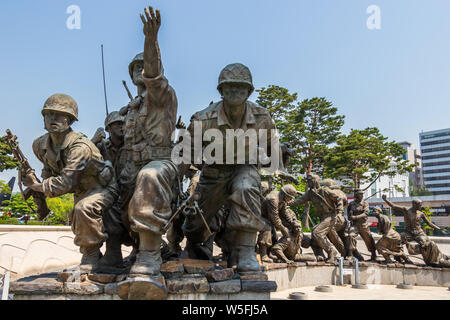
(144, 153)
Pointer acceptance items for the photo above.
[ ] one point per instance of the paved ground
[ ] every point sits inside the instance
(375, 292)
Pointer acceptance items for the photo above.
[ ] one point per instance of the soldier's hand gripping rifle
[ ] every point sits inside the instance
(189, 207)
(24, 170)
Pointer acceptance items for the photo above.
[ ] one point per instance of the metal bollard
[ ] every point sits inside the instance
(356, 271)
(341, 271)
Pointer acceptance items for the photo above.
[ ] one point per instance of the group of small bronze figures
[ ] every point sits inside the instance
(128, 191)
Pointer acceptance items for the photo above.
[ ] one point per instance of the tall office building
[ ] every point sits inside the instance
(435, 149)
(414, 157)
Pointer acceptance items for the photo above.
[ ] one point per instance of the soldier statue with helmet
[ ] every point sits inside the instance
(73, 164)
(235, 184)
(148, 126)
(329, 205)
(115, 221)
(273, 213)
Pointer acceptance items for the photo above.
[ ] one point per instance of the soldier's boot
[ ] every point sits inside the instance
(90, 258)
(232, 256)
(373, 256)
(148, 259)
(131, 258)
(113, 254)
(263, 254)
(388, 258)
(332, 253)
(358, 255)
(174, 247)
(244, 246)
(407, 259)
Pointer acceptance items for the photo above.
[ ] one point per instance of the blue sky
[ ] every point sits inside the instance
(396, 78)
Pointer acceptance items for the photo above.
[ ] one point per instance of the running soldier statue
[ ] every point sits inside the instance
(73, 164)
(413, 217)
(358, 213)
(328, 204)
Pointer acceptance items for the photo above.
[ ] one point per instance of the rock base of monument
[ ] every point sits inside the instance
(184, 279)
(188, 279)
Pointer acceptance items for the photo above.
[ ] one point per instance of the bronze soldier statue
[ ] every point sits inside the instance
(337, 234)
(73, 164)
(431, 254)
(237, 185)
(413, 218)
(358, 213)
(289, 247)
(328, 204)
(390, 245)
(149, 174)
(115, 219)
(273, 214)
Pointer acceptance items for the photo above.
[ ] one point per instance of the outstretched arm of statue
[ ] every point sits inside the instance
(399, 209)
(428, 222)
(152, 55)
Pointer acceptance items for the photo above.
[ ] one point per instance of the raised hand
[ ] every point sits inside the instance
(180, 124)
(151, 22)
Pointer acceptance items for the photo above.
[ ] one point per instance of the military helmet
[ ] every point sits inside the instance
(358, 191)
(330, 183)
(112, 117)
(289, 190)
(236, 73)
(62, 103)
(139, 58)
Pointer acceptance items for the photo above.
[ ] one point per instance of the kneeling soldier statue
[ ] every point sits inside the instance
(73, 164)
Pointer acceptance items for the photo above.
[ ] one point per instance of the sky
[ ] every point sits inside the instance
(395, 78)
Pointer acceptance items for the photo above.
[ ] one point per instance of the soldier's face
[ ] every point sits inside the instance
(359, 196)
(56, 121)
(116, 129)
(137, 74)
(235, 94)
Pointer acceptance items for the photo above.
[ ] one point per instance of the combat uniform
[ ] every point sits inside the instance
(391, 241)
(115, 220)
(77, 167)
(149, 169)
(430, 253)
(240, 182)
(329, 205)
(360, 212)
(413, 228)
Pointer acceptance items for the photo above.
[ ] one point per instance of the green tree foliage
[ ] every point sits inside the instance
(363, 156)
(4, 188)
(279, 102)
(60, 207)
(312, 127)
(6, 160)
(429, 213)
(415, 192)
(17, 206)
